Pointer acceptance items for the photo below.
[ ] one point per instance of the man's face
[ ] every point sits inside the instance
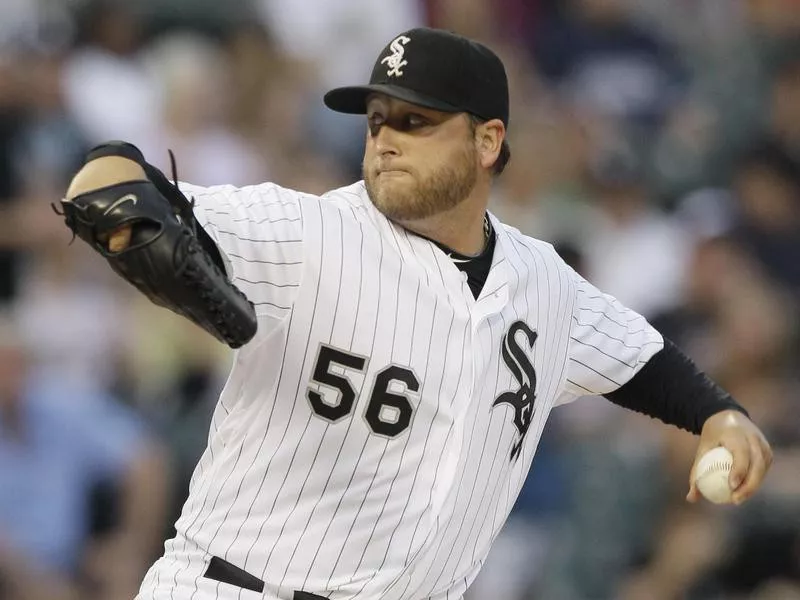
(418, 162)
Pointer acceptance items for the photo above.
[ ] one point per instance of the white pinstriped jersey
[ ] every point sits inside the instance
(372, 439)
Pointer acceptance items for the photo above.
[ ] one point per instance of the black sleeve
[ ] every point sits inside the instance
(672, 389)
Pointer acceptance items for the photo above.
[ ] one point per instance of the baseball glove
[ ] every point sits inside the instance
(170, 259)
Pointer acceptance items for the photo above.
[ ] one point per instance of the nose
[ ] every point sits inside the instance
(385, 141)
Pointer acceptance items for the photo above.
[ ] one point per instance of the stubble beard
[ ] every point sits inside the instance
(441, 191)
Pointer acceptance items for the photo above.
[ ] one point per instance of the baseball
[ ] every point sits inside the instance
(711, 475)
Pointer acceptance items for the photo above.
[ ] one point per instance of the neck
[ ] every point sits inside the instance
(459, 228)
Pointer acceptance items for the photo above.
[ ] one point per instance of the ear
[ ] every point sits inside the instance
(489, 138)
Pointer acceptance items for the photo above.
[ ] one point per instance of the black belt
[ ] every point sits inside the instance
(224, 572)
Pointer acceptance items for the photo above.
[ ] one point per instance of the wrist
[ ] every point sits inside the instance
(727, 416)
(103, 172)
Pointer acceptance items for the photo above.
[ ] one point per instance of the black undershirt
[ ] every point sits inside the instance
(476, 267)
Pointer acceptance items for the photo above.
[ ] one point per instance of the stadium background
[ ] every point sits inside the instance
(657, 144)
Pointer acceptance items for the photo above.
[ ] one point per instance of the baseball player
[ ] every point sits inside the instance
(398, 349)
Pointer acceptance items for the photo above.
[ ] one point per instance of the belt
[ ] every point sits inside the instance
(225, 572)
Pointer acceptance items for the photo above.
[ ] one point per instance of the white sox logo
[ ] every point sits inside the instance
(519, 364)
(395, 60)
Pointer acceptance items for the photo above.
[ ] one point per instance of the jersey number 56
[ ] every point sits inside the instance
(388, 413)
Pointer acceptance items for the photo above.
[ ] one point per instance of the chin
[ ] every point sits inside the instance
(392, 205)
(404, 210)
(400, 198)
(390, 194)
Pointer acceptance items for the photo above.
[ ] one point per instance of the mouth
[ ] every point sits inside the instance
(392, 172)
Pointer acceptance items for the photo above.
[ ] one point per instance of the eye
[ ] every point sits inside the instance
(375, 121)
(415, 121)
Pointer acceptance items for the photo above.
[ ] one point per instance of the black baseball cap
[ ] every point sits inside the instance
(436, 69)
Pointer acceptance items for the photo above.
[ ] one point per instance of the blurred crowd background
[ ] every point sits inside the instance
(655, 143)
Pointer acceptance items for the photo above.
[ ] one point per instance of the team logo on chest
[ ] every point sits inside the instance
(395, 60)
(522, 399)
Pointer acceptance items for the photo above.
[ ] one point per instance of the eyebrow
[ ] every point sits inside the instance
(433, 115)
(402, 105)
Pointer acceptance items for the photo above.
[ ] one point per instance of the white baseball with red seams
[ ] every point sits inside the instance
(712, 475)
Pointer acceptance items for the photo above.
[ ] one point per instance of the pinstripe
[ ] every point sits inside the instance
(237, 208)
(244, 476)
(258, 202)
(604, 334)
(361, 455)
(600, 373)
(187, 536)
(500, 480)
(439, 462)
(214, 504)
(557, 334)
(578, 385)
(482, 496)
(265, 282)
(266, 303)
(461, 368)
(344, 438)
(601, 351)
(459, 487)
(605, 316)
(262, 262)
(419, 465)
(532, 267)
(242, 238)
(249, 219)
(400, 462)
(493, 469)
(408, 437)
(438, 465)
(213, 507)
(282, 440)
(418, 259)
(283, 483)
(265, 220)
(319, 447)
(322, 438)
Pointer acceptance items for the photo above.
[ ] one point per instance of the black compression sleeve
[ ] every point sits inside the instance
(672, 389)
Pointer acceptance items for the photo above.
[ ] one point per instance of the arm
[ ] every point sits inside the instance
(111, 170)
(614, 352)
(669, 387)
(166, 256)
(253, 236)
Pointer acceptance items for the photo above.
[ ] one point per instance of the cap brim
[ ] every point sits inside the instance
(353, 100)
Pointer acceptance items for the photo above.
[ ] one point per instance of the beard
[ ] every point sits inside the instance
(412, 197)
